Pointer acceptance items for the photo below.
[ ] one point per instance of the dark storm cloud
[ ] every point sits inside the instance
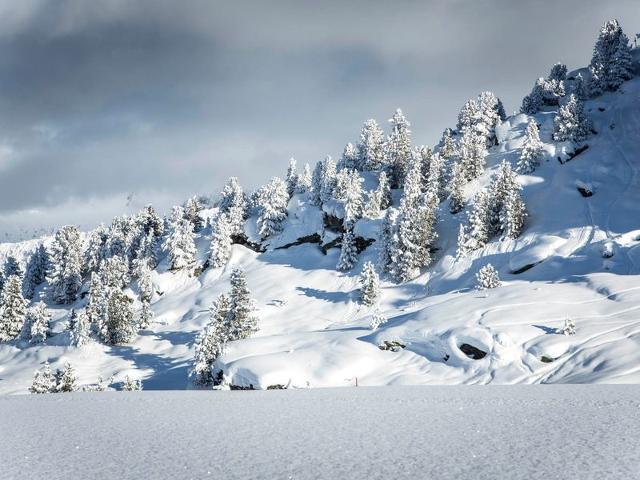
(98, 99)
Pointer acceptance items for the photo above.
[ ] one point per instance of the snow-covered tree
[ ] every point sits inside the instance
(273, 200)
(36, 271)
(369, 284)
(43, 380)
(436, 180)
(546, 91)
(144, 282)
(65, 265)
(292, 177)
(513, 214)
(371, 146)
(580, 88)
(413, 183)
(595, 85)
(448, 148)
(180, 243)
(131, 385)
(120, 237)
(12, 267)
(348, 190)
(38, 318)
(467, 115)
(384, 188)
(145, 315)
(13, 309)
(569, 327)
(81, 331)
(461, 245)
(456, 193)
(558, 72)
(372, 204)
(571, 123)
(67, 380)
(119, 326)
(389, 239)
(531, 149)
(96, 309)
(242, 321)
(611, 61)
(506, 207)
(348, 252)
(398, 148)
(479, 221)
(482, 115)
(114, 272)
(304, 180)
(487, 277)
(192, 209)
(96, 249)
(221, 241)
(323, 181)
(349, 158)
(378, 318)
(233, 202)
(211, 342)
(472, 154)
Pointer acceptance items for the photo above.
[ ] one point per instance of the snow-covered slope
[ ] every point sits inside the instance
(314, 332)
(521, 432)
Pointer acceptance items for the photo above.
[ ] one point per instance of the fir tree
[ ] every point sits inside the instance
(532, 103)
(369, 284)
(456, 194)
(65, 265)
(131, 385)
(96, 309)
(273, 200)
(448, 149)
(96, 249)
(119, 326)
(221, 241)
(114, 272)
(595, 85)
(180, 242)
(43, 380)
(348, 252)
(531, 149)
(144, 282)
(513, 215)
(349, 159)
(472, 153)
(292, 177)
(370, 149)
(233, 202)
(384, 189)
(571, 123)
(242, 322)
(580, 88)
(192, 209)
(36, 271)
(211, 341)
(349, 192)
(145, 315)
(120, 237)
(611, 61)
(569, 327)
(487, 277)
(372, 205)
(38, 318)
(67, 380)
(13, 309)
(377, 319)
(323, 181)
(12, 267)
(304, 180)
(398, 148)
(558, 72)
(80, 333)
(479, 221)
(389, 237)
(463, 238)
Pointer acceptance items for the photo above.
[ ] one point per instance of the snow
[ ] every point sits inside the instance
(521, 432)
(577, 257)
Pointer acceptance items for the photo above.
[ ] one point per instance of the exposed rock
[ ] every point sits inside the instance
(242, 239)
(392, 345)
(333, 223)
(472, 352)
(313, 238)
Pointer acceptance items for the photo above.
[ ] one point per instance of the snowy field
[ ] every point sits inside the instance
(515, 432)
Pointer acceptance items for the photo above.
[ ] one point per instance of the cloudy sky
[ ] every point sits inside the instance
(105, 106)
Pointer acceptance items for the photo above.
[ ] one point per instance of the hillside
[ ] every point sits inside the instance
(576, 258)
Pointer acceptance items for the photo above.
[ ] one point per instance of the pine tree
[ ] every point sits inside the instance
(13, 309)
(479, 221)
(12, 267)
(370, 149)
(569, 327)
(448, 149)
(36, 271)
(96, 249)
(131, 385)
(221, 241)
(273, 200)
(558, 72)
(145, 315)
(65, 265)
(304, 180)
(413, 183)
(38, 317)
(369, 284)
(114, 272)
(456, 194)
(377, 319)
(96, 309)
(348, 252)
(398, 148)
(43, 380)
(211, 342)
(192, 209)
(472, 153)
(351, 196)
(349, 159)
(242, 322)
(512, 215)
(119, 326)
(531, 149)
(233, 202)
(571, 123)
(292, 177)
(120, 237)
(80, 333)
(611, 61)
(372, 205)
(67, 380)
(580, 88)
(436, 179)
(468, 114)
(487, 277)
(595, 85)
(532, 103)
(144, 281)
(323, 181)
(385, 191)
(180, 242)
(463, 238)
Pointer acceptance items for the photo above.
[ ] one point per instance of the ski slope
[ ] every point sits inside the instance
(521, 432)
(314, 333)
